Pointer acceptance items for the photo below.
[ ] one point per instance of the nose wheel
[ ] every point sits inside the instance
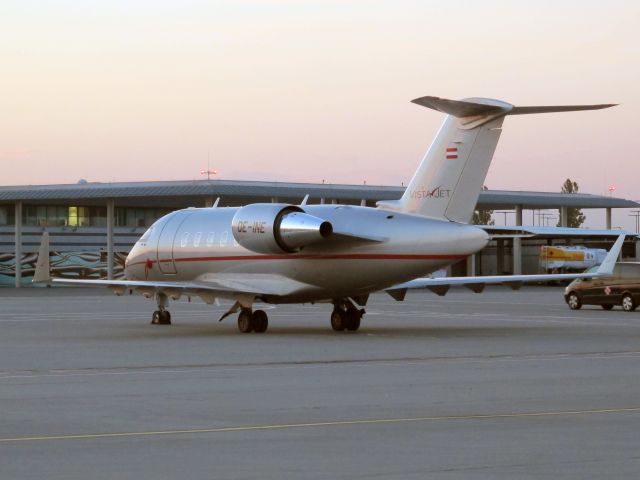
(256, 321)
(162, 315)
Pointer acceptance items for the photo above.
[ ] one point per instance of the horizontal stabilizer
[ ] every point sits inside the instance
(461, 108)
(559, 108)
(487, 107)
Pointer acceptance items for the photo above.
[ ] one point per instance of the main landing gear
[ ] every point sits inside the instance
(162, 315)
(256, 321)
(346, 316)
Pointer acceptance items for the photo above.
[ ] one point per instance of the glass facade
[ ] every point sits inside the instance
(64, 216)
(6, 214)
(78, 216)
(139, 217)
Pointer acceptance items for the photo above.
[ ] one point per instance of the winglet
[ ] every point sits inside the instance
(609, 262)
(42, 273)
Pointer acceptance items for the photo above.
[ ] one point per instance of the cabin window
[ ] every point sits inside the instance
(223, 239)
(210, 238)
(196, 239)
(185, 239)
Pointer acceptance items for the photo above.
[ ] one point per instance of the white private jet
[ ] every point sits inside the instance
(339, 254)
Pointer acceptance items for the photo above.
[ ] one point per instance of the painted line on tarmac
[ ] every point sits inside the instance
(320, 364)
(337, 423)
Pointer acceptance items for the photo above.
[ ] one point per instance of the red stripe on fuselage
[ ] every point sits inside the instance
(361, 256)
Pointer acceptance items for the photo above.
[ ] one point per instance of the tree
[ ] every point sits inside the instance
(575, 218)
(482, 217)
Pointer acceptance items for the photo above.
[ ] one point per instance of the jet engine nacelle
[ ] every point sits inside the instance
(277, 228)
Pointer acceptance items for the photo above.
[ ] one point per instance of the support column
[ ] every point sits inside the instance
(609, 218)
(363, 203)
(499, 256)
(334, 201)
(564, 217)
(517, 244)
(18, 243)
(110, 227)
(322, 201)
(471, 265)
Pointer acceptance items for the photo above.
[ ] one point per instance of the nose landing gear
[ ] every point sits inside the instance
(162, 315)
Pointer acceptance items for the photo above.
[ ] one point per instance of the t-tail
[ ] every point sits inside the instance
(448, 181)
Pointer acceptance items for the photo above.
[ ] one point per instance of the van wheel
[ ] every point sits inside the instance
(628, 303)
(607, 306)
(573, 300)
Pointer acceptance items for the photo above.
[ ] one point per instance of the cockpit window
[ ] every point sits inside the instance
(146, 235)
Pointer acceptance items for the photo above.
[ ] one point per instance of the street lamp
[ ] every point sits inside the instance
(636, 213)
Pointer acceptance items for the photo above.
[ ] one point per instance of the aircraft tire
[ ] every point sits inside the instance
(161, 317)
(245, 322)
(352, 317)
(260, 321)
(338, 320)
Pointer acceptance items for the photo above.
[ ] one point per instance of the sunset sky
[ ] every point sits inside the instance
(310, 91)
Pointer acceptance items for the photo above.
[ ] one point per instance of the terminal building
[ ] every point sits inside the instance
(92, 226)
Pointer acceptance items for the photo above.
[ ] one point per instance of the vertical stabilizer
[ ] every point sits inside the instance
(449, 179)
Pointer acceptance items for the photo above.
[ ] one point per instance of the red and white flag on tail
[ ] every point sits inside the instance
(452, 152)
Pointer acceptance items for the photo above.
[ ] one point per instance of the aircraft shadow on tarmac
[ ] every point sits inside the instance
(428, 331)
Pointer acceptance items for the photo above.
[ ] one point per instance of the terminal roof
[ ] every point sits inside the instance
(235, 192)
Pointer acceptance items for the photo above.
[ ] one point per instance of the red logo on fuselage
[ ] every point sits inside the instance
(148, 265)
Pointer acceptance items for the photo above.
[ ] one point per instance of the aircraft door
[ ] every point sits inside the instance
(166, 241)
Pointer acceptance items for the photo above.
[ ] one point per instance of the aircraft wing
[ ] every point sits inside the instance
(524, 231)
(209, 287)
(208, 290)
(440, 286)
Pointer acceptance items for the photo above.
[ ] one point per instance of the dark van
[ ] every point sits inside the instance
(623, 288)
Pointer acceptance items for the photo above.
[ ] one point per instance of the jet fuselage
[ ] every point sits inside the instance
(370, 249)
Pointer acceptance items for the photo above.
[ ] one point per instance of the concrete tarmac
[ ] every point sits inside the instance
(496, 385)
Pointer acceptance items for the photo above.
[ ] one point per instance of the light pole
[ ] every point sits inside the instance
(636, 214)
(544, 218)
(208, 172)
(504, 212)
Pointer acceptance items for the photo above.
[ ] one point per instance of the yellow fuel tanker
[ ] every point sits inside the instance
(570, 258)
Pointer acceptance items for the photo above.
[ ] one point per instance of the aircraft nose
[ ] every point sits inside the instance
(131, 258)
